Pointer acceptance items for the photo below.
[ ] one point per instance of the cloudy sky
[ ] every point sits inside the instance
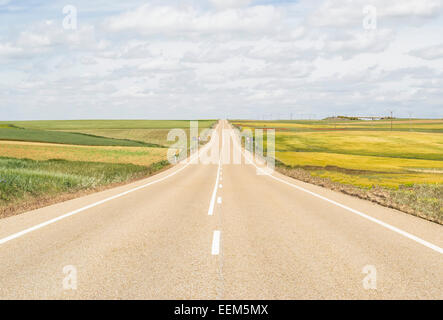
(187, 59)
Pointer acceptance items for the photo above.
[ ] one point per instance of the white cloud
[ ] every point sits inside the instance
(358, 43)
(223, 4)
(9, 50)
(238, 58)
(33, 39)
(410, 8)
(429, 53)
(168, 20)
(349, 13)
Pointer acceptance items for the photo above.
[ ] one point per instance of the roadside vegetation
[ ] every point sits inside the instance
(402, 168)
(26, 184)
(43, 162)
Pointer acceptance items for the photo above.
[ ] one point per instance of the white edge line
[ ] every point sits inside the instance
(383, 224)
(216, 243)
(44, 224)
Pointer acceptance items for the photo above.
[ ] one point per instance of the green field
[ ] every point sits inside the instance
(366, 155)
(42, 161)
(151, 136)
(28, 183)
(20, 134)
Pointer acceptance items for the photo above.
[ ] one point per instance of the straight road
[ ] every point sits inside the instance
(219, 231)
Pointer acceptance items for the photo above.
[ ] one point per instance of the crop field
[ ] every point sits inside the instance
(106, 154)
(20, 134)
(67, 125)
(129, 133)
(415, 125)
(398, 162)
(26, 184)
(42, 162)
(366, 171)
(157, 137)
(403, 145)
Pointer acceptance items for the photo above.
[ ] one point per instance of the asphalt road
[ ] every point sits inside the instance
(219, 231)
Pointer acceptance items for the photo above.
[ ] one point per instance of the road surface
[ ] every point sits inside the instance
(219, 231)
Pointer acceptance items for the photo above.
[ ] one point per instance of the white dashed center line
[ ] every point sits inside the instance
(214, 193)
(216, 243)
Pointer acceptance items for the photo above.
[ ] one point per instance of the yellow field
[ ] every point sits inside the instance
(428, 124)
(357, 162)
(392, 181)
(363, 158)
(46, 151)
(369, 170)
(399, 144)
